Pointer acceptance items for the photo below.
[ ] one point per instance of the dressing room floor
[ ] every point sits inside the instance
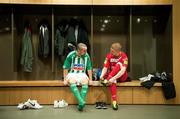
(70, 112)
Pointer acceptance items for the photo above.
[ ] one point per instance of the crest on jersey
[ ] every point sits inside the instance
(125, 62)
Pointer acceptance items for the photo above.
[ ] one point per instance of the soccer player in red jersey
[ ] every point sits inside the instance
(114, 69)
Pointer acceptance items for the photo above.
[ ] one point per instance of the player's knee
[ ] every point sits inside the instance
(71, 81)
(84, 81)
(113, 84)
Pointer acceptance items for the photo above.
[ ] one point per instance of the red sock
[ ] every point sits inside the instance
(113, 91)
(115, 70)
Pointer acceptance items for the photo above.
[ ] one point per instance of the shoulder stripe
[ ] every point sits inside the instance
(71, 53)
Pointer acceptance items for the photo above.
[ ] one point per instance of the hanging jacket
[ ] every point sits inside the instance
(77, 33)
(83, 37)
(70, 38)
(60, 41)
(80, 37)
(82, 33)
(44, 41)
(27, 53)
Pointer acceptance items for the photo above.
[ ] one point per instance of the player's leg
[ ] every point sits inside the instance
(84, 83)
(113, 87)
(114, 71)
(84, 89)
(73, 80)
(113, 90)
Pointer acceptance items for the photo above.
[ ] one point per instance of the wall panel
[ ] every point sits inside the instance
(151, 2)
(47, 95)
(5, 1)
(176, 44)
(132, 2)
(31, 1)
(155, 95)
(72, 2)
(112, 2)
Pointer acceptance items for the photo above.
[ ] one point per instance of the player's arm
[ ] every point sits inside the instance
(121, 72)
(105, 68)
(89, 68)
(66, 67)
(65, 73)
(90, 75)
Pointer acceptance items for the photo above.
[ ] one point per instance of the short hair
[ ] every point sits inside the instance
(116, 46)
(81, 46)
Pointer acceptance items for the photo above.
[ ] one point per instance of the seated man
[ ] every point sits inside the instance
(75, 66)
(115, 66)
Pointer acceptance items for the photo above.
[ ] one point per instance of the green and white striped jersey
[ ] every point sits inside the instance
(77, 64)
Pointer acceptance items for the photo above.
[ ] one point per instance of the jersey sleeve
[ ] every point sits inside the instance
(67, 62)
(107, 61)
(89, 64)
(125, 61)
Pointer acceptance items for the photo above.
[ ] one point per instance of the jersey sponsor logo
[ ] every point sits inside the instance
(114, 60)
(78, 67)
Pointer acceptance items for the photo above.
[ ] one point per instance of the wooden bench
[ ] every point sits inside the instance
(60, 83)
(14, 92)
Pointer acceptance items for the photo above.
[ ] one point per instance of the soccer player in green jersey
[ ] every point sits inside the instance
(75, 67)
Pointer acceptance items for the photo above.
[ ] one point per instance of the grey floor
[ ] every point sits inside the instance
(70, 112)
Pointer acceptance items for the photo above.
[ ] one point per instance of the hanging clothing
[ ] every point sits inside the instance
(69, 34)
(60, 41)
(71, 38)
(44, 41)
(76, 32)
(83, 37)
(27, 53)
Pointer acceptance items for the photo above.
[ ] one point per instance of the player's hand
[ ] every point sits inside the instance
(101, 78)
(65, 82)
(112, 80)
(90, 82)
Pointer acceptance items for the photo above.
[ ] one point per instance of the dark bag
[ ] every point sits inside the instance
(169, 89)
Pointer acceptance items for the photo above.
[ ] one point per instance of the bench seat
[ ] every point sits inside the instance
(14, 92)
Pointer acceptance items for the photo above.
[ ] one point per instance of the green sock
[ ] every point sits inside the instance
(84, 91)
(76, 93)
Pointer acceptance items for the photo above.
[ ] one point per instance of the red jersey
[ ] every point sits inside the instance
(112, 60)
